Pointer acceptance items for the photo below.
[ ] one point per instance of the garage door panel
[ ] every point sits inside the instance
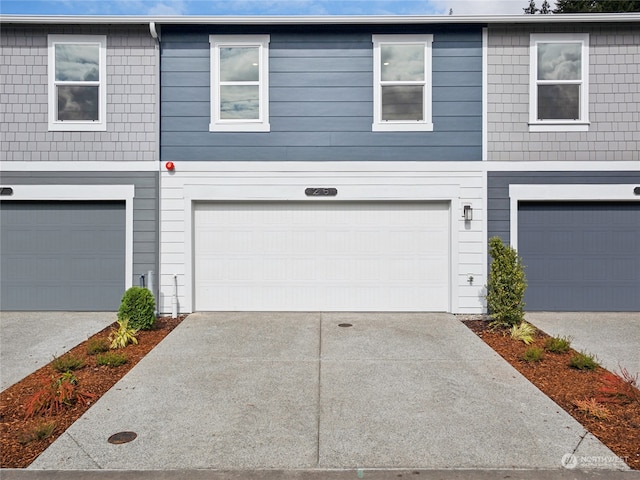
(62, 255)
(581, 256)
(330, 256)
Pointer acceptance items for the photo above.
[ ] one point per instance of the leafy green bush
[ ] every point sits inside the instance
(138, 306)
(506, 285)
(533, 354)
(583, 361)
(67, 363)
(111, 359)
(97, 345)
(524, 331)
(123, 335)
(557, 344)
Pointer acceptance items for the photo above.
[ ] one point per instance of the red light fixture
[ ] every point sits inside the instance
(170, 166)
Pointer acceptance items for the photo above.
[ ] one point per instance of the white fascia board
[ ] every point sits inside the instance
(53, 166)
(324, 20)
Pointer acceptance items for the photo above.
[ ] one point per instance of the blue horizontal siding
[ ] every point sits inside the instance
(321, 98)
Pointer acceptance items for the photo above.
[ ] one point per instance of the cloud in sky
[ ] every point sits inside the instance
(262, 7)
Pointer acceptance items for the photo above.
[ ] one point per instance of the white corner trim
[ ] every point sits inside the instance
(485, 94)
(85, 192)
(567, 193)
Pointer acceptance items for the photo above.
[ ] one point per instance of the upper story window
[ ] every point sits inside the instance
(239, 83)
(402, 82)
(559, 85)
(77, 82)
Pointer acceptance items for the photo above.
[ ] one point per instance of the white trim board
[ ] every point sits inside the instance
(89, 193)
(116, 166)
(567, 193)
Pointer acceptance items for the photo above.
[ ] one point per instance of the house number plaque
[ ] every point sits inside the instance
(321, 192)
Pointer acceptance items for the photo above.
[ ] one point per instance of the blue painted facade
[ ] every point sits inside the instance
(321, 97)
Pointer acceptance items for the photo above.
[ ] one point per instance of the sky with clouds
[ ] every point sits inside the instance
(262, 7)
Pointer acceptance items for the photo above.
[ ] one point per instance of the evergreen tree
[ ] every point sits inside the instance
(546, 8)
(596, 6)
(531, 9)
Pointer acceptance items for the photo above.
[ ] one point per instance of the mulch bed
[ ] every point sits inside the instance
(16, 448)
(565, 385)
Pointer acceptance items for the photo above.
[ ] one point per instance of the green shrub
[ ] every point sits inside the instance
(97, 345)
(123, 335)
(525, 332)
(583, 361)
(41, 431)
(533, 354)
(557, 344)
(111, 359)
(67, 363)
(138, 306)
(506, 285)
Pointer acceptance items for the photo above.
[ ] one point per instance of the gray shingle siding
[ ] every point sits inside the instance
(321, 100)
(614, 97)
(131, 97)
(145, 205)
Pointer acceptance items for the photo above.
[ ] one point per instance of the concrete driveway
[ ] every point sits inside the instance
(30, 340)
(614, 338)
(250, 391)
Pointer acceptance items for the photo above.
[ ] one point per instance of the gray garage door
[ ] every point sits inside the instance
(62, 255)
(581, 256)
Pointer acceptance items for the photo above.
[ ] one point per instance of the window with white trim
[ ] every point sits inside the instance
(239, 83)
(402, 82)
(559, 82)
(77, 82)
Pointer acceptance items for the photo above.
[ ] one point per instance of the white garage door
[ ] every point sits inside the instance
(288, 256)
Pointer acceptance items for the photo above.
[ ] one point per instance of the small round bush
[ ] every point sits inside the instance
(138, 305)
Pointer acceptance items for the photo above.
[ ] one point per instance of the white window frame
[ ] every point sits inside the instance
(78, 125)
(561, 125)
(260, 124)
(379, 125)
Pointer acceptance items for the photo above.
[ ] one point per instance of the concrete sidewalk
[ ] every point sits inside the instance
(296, 391)
(614, 338)
(30, 340)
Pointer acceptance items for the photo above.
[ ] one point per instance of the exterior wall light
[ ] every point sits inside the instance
(467, 213)
(170, 166)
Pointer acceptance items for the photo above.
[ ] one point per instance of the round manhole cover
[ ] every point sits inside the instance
(122, 437)
(345, 325)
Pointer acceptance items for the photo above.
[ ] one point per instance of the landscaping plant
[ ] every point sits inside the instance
(524, 332)
(619, 387)
(67, 363)
(97, 345)
(533, 354)
(583, 361)
(557, 344)
(123, 335)
(506, 285)
(592, 408)
(111, 359)
(138, 307)
(55, 394)
(41, 431)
